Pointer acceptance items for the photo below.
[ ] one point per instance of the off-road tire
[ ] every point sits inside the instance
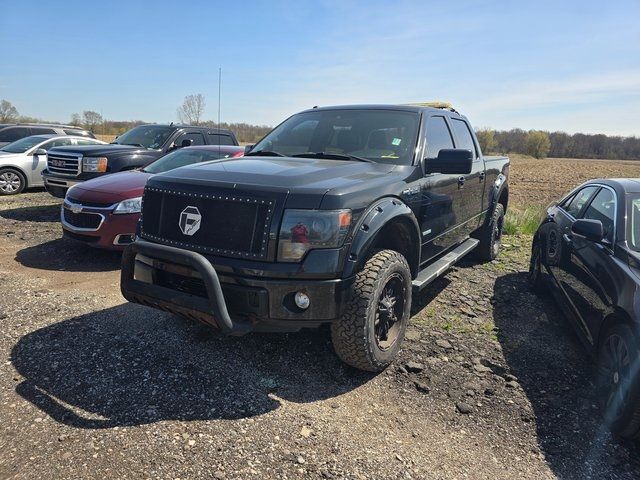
(491, 235)
(624, 422)
(17, 179)
(353, 336)
(535, 276)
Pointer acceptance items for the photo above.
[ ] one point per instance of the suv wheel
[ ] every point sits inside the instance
(491, 235)
(371, 331)
(11, 182)
(619, 381)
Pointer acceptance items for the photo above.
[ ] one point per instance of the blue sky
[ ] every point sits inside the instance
(557, 65)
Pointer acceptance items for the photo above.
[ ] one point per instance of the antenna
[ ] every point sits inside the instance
(219, 101)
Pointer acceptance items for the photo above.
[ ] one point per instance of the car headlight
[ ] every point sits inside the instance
(131, 205)
(304, 230)
(94, 164)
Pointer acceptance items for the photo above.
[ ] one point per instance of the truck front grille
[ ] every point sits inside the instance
(82, 220)
(227, 224)
(67, 164)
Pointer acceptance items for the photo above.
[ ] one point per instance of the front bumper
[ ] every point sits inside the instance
(186, 283)
(57, 185)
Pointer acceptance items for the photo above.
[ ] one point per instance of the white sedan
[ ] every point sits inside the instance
(22, 161)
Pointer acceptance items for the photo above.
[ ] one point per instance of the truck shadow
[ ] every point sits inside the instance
(65, 254)
(130, 365)
(41, 213)
(556, 374)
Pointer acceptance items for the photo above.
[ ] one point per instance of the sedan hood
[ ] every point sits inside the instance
(111, 188)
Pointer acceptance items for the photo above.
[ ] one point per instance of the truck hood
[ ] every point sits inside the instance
(99, 150)
(111, 188)
(305, 180)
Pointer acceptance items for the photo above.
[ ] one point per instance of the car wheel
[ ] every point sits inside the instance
(618, 381)
(491, 235)
(12, 182)
(371, 331)
(535, 279)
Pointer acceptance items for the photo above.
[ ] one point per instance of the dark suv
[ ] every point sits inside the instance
(12, 132)
(67, 166)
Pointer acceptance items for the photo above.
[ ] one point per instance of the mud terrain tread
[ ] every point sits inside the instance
(350, 335)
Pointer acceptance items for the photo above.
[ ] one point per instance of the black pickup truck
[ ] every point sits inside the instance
(336, 216)
(141, 145)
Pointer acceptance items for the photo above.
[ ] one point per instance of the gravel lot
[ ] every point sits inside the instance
(492, 383)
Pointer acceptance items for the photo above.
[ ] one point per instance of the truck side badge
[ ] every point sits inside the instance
(190, 220)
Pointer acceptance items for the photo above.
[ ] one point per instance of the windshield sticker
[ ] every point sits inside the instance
(396, 141)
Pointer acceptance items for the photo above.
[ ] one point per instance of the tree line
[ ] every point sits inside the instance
(541, 144)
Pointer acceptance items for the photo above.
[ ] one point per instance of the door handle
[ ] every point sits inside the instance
(460, 181)
(567, 239)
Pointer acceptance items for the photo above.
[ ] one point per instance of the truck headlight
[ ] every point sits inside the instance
(94, 164)
(131, 205)
(304, 230)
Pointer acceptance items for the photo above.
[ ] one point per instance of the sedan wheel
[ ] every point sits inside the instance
(11, 182)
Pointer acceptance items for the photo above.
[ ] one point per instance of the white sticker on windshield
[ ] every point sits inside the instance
(396, 141)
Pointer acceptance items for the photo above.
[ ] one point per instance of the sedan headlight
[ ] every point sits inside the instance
(131, 205)
(304, 230)
(94, 164)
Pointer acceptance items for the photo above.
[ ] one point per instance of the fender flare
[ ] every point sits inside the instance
(369, 227)
(499, 186)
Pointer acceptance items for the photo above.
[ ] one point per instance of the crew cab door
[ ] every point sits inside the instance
(472, 185)
(441, 209)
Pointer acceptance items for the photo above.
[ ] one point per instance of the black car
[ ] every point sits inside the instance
(587, 251)
(12, 132)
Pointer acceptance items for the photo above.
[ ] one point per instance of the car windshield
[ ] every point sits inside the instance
(147, 136)
(182, 157)
(633, 221)
(384, 136)
(22, 145)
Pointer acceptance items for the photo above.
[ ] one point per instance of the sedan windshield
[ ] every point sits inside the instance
(182, 157)
(24, 144)
(147, 136)
(384, 136)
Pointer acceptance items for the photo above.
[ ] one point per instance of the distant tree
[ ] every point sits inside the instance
(76, 119)
(192, 109)
(487, 140)
(8, 113)
(91, 120)
(537, 144)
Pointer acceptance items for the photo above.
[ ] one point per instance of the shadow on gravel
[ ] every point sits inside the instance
(130, 365)
(68, 255)
(555, 373)
(41, 213)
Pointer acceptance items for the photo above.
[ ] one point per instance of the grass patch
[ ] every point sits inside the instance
(523, 220)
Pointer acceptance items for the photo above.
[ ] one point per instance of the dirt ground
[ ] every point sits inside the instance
(491, 383)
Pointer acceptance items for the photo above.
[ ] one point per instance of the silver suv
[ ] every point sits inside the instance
(12, 132)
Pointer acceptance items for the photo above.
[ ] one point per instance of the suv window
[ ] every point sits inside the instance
(603, 207)
(438, 136)
(42, 131)
(463, 136)
(195, 137)
(579, 200)
(219, 139)
(12, 134)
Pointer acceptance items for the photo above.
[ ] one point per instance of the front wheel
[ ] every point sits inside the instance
(12, 182)
(371, 331)
(618, 381)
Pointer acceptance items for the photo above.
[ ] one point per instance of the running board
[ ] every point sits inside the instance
(437, 268)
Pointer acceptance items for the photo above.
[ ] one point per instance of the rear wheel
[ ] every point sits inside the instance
(491, 235)
(618, 381)
(12, 182)
(372, 329)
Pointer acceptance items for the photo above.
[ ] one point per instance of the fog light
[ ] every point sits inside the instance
(302, 300)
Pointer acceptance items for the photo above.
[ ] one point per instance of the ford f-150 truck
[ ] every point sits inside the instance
(67, 166)
(338, 215)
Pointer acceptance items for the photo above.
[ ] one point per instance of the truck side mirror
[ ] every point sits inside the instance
(247, 148)
(451, 161)
(40, 151)
(588, 229)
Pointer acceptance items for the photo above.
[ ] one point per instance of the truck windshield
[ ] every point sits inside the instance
(183, 157)
(384, 136)
(147, 136)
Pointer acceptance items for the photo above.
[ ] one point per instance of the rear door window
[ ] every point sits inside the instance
(438, 136)
(579, 200)
(42, 131)
(218, 139)
(463, 136)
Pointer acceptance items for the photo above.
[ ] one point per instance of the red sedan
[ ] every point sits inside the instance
(104, 212)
